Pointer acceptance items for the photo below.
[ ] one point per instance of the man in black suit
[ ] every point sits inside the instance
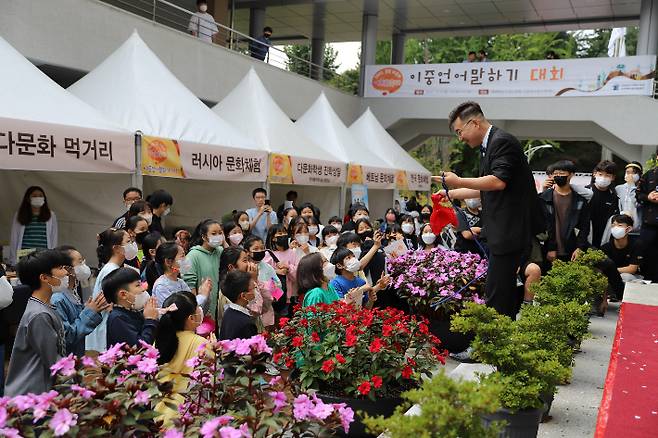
(510, 207)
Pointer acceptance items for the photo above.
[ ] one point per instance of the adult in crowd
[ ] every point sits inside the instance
(260, 47)
(130, 196)
(261, 216)
(627, 193)
(34, 225)
(647, 196)
(202, 24)
(290, 202)
(509, 202)
(471, 57)
(161, 202)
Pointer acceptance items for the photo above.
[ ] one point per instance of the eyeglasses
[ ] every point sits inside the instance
(459, 132)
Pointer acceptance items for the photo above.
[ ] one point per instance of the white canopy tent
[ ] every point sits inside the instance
(320, 121)
(87, 159)
(135, 89)
(251, 108)
(369, 132)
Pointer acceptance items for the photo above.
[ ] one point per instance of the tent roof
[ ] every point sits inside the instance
(28, 94)
(321, 121)
(250, 108)
(368, 131)
(135, 89)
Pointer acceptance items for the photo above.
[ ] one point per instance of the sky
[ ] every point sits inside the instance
(348, 55)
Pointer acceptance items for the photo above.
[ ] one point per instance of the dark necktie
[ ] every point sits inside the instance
(483, 150)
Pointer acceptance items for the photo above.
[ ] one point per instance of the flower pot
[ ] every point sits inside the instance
(547, 398)
(520, 424)
(452, 341)
(381, 406)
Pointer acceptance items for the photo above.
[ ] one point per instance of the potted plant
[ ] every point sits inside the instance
(364, 358)
(524, 369)
(445, 408)
(436, 284)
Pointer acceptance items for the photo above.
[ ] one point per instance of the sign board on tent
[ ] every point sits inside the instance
(373, 177)
(286, 169)
(360, 194)
(27, 145)
(184, 159)
(630, 75)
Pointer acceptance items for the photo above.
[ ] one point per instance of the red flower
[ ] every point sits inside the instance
(423, 328)
(387, 330)
(315, 337)
(407, 372)
(376, 345)
(303, 322)
(376, 381)
(440, 356)
(367, 319)
(283, 322)
(290, 363)
(277, 357)
(364, 388)
(350, 340)
(328, 366)
(297, 341)
(340, 358)
(411, 362)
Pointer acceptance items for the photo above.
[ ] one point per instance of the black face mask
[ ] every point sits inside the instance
(282, 241)
(425, 216)
(139, 237)
(258, 255)
(561, 180)
(366, 234)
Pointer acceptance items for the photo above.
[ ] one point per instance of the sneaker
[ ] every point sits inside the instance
(464, 356)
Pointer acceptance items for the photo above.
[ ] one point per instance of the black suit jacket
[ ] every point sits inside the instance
(510, 217)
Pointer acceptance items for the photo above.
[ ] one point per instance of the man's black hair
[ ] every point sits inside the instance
(339, 256)
(132, 189)
(267, 29)
(465, 111)
(623, 219)
(346, 238)
(159, 197)
(566, 165)
(235, 283)
(606, 166)
(40, 262)
(258, 190)
(117, 280)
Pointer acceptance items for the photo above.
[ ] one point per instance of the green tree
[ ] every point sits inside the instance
(299, 56)
(595, 44)
(347, 81)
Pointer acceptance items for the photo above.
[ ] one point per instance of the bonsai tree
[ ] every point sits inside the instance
(448, 408)
(524, 369)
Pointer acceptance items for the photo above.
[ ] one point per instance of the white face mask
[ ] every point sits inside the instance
(166, 212)
(329, 271)
(407, 228)
(302, 239)
(82, 272)
(428, 238)
(203, 8)
(63, 284)
(353, 265)
(244, 225)
(37, 202)
(356, 252)
(130, 250)
(313, 230)
(338, 226)
(618, 232)
(331, 240)
(473, 204)
(148, 218)
(602, 182)
(216, 241)
(140, 301)
(236, 238)
(185, 266)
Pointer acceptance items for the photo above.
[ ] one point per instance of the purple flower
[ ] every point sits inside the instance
(10, 432)
(147, 365)
(112, 354)
(230, 432)
(346, 415)
(243, 348)
(65, 366)
(302, 407)
(173, 433)
(42, 404)
(244, 429)
(3, 417)
(88, 361)
(133, 359)
(210, 427)
(151, 352)
(23, 402)
(192, 362)
(141, 398)
(321, 410)
(275, 380)
(62, 422)
(280, 400)
(83, 392)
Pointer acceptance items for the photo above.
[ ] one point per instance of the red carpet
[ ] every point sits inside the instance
(629, 407)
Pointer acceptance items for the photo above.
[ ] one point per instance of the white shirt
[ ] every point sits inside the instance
(203, 25)
(485, 140)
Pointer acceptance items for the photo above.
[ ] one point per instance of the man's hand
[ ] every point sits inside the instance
(576, 254)
(476, 230)
(653, 197)
(548, 183)
(452, 180)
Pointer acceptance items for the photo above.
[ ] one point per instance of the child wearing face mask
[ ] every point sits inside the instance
(622, 249)
(171, 257)
(267, 277)
(300, 239)
(329, 241)
(238, 322)
(346, 279)
(138, 228)
(337, 223)
(208, 240)
(604, 203)
(357, 212)
(284, 260)
(390, 218)
(150, 270)
(34, 225)
(408, 226)
(314, 230)
(428, 240)
(114, 248)
(234, 233)
(40, 337)
(79, 318)
(134, 315)
(627, 193)
(177, 343)
(469, 227)
(242, 219)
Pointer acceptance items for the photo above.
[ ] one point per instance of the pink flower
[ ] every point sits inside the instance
(302, 407)
(147, 365)
(62, 422)
(275, 380)
(84, 392)
(210, 427)
(88, 361)
(65, 366)
(23, 402)
(112, 354)
(141, 398)
(192, 362)
(321, 410)
(201, 347)
(244, 429)
(10, 433)
(150, 351)
(206, 327)
(133, 359)
(42, 404)
(3, 417)
(346, 415)
(230, 432)
(243, 348)
(173, 433)
(280, 400)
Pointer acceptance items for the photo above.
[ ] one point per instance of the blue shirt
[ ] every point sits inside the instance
(260, 229)
(342, 285)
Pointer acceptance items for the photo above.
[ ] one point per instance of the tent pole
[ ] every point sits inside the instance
(137, 178)
(343, 201)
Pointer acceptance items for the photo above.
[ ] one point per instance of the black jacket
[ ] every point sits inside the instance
(510, 217)
(648, 183)
(130, 327)
(578, 220)
(236, 324)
